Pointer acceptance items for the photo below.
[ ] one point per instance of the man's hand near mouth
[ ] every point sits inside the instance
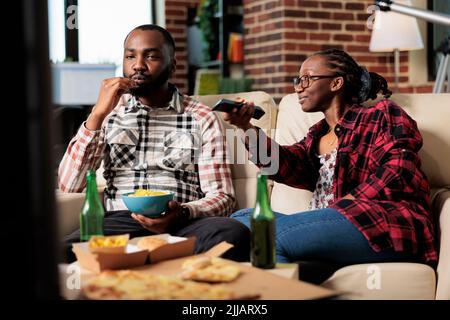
(110, 93)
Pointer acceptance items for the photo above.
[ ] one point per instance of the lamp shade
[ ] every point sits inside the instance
(394, 31)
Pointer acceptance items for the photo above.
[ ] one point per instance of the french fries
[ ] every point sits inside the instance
(108, 244)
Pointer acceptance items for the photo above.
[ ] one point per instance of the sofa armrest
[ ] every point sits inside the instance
(69, 207)
(441, 206)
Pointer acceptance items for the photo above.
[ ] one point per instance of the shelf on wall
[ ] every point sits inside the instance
(225, 49)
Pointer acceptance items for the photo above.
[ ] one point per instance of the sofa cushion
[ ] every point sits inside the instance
(432, 113)
(388, 281)
(69, 208)
(292, 125)
(242, 170)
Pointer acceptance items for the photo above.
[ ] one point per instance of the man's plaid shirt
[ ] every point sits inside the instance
(180, 148)
(378, 164)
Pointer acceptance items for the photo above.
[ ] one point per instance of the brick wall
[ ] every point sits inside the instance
(279, 35)
(176, 24)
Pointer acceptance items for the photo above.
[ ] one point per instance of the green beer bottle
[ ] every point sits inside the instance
(262, 228)
(92, 213)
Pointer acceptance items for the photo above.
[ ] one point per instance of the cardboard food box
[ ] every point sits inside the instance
(99, 261)
(252, 283)
(132, 256)
(174, 247)
(109, 244)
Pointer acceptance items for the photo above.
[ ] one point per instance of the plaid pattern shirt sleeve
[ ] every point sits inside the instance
(289, 165)
(84, 152)
(213, 169)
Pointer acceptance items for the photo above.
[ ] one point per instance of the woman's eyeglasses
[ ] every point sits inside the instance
(306, 80)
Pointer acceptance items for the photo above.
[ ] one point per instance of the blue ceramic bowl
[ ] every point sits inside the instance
(149, 206)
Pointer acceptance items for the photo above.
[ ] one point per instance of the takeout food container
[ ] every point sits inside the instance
(99, 261)
(108, 244)
(132, 256)
(175, 247)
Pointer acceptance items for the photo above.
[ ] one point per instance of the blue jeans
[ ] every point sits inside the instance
(322, 235)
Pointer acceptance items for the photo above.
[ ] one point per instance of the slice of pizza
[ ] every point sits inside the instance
(151, 243)
(209, 270)
(134, 285)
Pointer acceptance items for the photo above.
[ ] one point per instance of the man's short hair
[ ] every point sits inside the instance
(168, 39)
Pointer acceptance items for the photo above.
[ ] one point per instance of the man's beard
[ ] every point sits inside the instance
(151, 84)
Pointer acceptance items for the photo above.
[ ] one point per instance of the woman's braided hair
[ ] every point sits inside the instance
(360, 85)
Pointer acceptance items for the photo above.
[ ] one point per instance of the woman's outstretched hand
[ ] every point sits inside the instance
(240, 117)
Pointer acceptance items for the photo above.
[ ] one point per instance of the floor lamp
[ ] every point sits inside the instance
(394, 32)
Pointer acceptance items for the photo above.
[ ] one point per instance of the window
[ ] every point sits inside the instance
(102, 28)
(57, 46)
(93, 32)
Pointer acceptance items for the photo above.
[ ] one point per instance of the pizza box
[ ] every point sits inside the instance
(97, 262)
(252, 283)
(132, 256)
(175, 247)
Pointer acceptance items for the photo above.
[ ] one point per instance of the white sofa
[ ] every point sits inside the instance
(398, 280)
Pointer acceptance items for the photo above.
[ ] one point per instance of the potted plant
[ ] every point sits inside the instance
(208, 24)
